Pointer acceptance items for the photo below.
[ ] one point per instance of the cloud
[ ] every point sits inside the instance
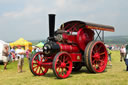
(29, 10)
(61, 3)
(57, 6)
(32, 15)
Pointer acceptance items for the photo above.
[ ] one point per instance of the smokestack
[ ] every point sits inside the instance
(51, 25)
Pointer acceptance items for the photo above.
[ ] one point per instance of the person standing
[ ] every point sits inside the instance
(37, 49)
(33, 51)
(20, 54)
(5, 54)
(109, 55)
(28, 54)
(12, 52)
(122, 52)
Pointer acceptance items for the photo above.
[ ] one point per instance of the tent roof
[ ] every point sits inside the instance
(40, 45)
(21, 42)
(3, 42)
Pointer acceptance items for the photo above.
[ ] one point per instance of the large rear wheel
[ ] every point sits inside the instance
(96, 56)
(35, 64)
(62, 65)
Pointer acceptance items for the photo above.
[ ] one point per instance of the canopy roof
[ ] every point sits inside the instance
(40, 45)
(21, 42)
(76, 25)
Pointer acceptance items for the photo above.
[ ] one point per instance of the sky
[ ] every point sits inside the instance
(29, 18)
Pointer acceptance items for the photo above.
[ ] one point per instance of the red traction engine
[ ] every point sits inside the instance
(71, 47)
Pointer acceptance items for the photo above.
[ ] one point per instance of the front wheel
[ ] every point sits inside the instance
(62, 65)
(35, 64)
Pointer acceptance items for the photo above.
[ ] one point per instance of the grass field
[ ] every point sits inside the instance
(115, 75)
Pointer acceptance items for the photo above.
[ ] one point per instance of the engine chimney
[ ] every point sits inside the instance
(51, 25)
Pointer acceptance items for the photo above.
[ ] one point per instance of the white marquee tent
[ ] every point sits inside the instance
(1, 47)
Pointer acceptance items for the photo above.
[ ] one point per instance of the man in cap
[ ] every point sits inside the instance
(20, 54)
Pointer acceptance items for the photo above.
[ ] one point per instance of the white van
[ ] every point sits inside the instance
(1, 48)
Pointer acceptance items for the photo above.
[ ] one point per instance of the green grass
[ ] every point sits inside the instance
(115, 75)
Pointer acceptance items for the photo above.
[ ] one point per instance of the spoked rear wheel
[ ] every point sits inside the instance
(62, 65)
(96, 56)
(35, 64)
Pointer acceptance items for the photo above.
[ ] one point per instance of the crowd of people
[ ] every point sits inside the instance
(17, 54)
(124, 55)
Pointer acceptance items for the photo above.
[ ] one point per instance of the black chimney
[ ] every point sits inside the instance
(51, 25)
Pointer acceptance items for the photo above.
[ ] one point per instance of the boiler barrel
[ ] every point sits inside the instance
(69, 48)
(54, 47)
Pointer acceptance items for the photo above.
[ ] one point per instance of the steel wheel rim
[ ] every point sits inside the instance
(63, 65)
(37, 68)
(98, 57)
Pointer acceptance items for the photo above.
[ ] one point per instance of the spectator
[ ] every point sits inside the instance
(27, 53)
(33, 51)
(12, 52)
(12, 49)
(5, 54)
(37, 49)
(20, 54)
(109, 55)
(122, 52)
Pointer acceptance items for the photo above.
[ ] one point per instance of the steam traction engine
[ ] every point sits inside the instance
(71, 47)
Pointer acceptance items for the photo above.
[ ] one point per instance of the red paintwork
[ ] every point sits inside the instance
(83, 37)
(76, 57)
(69, 38)
(69, 48)
(73, 50)
(47, 65)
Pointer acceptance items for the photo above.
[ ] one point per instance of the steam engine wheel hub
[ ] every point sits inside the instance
(63, 65)
(39, 63)
(96, 56)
